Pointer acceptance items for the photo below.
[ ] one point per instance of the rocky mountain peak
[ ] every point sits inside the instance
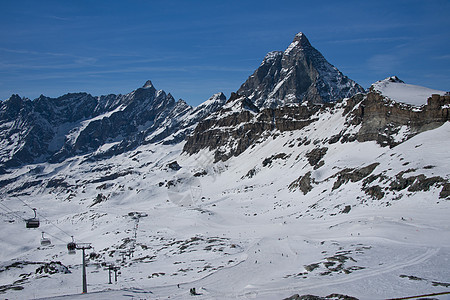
(394, 79)
(299, 74)
(218, 97)
(148, 84)
(301, 40)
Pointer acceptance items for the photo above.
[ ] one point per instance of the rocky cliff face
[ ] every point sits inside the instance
(239, 125)
(366, 117)
(389, 122)
(298, 74)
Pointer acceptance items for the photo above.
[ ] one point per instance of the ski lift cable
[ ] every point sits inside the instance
(44, 217)
(6, 208)
(10, 211)
(16, 215)
(71, 236)
(54, 236)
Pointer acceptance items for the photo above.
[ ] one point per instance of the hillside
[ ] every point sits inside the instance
(234, 198)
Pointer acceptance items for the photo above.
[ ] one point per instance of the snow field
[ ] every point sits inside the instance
(237, 236)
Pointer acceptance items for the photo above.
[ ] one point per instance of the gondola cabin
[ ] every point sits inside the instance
(45, 241)
(33, 222)
(71, 248)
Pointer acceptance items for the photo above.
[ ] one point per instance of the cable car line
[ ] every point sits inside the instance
(17, 216)
(10, 211)
(69, 235)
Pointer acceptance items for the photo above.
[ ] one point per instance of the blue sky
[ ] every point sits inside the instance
(194, 49)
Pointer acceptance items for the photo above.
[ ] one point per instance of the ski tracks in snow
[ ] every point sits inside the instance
(361, 274)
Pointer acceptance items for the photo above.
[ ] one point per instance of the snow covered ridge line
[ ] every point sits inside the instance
(370, 117)
(397, 90)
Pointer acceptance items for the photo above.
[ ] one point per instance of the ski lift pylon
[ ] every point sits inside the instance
(33, 222)
(45, 241)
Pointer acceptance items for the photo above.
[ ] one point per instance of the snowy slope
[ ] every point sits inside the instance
(397, 90)
(209, 225)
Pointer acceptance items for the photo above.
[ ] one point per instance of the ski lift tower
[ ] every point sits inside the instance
(84, 246)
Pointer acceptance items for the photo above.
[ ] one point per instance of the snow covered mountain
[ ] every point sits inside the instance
(235, 198)
(298, 74)
(49, 129)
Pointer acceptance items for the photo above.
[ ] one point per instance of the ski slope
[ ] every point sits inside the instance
(236, 231)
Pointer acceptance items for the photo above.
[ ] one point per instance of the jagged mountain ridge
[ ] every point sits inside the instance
(54, 129)
(299, 74)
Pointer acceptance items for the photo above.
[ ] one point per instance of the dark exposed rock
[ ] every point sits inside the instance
(415, 183)
(368, 180)
(52, 267)
(112, 176)
(304, 183)
(25, 186)
(57, 182)
(99, 199)
(174, 166)
(340, 296)
(353, 175)
(316, 155)
(250, 173)
(53, 129)
(382, 118)
(401, 183)
(422, 183)
(313, 297)
(236, 131)
(201, 173)
(346, 209)
(335, 138)
(376, 192)
(269, 160)
(304, 297)
(445, 192)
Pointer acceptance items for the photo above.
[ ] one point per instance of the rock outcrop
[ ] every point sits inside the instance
(389, 122)
(239, 125)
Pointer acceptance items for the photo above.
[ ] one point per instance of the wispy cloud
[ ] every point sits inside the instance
(442, 57)
(369, 40)
(383, 63)
(43, 54)
(55, 17)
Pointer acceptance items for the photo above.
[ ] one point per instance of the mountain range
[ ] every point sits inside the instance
(301, 182)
